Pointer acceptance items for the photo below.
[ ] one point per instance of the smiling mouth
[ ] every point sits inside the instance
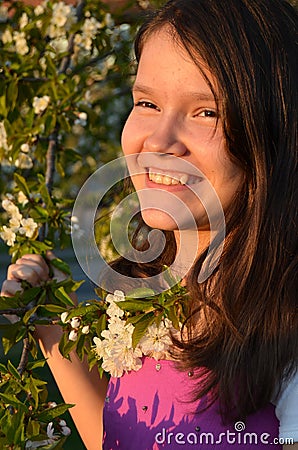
(159, 176)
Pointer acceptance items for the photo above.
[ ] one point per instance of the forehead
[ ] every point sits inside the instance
(165, 61)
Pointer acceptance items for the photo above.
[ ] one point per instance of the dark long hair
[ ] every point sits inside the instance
(248, 343)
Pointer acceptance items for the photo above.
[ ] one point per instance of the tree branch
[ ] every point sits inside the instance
(24, 357)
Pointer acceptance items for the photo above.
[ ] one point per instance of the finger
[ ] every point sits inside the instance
(23, 272)
(38, 259)
(50, 255)
(58, 274)
(10, 288)
(37, 264)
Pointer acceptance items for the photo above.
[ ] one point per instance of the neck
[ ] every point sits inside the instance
(190, 245)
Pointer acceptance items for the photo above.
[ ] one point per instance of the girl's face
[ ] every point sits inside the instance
(174, 119)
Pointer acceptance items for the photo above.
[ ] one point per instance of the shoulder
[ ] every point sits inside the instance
(287, 409)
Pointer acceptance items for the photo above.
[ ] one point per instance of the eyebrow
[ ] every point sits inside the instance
(206, 96)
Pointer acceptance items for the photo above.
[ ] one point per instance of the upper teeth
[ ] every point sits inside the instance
(162, 178)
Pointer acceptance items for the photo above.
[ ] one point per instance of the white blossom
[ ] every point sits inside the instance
(116, 349)
(6, 36)
(23, 20)
(51, 433)
(118, 296)
(22, 198)
(38, 10)
(63, 17)
(40, 104)
(73, 335)
(63, 317)
(8, 205)
(20, 42)
(109, 20)
(14, 224)
(3, 137)
(60, 44)
(85, 329)
(75, 322)
(23, 161)
(156, 341)
(28, 227)
(25, 148)
(8, 236)
(15, 214)
(66, 431)
(52, 404)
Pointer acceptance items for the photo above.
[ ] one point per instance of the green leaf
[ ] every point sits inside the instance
(101, 324)
(81, 346)
(33, 385)
(31, 293)
(51, 413)
(35, 364)
(9, 333)
(62, 295)
(33, 345)
(29, 314)
(61, 265)
(21, 183)
(135, 305)
(9, 302)
(12, 94)
(84, 310)
(12, 400)
(171, 313)
(33, 428)
(141, 293)
(141, 328)
(12, 369)
(62, 343)
(3, 369)
(54, 308)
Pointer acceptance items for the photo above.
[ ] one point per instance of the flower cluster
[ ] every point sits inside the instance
(53, 435)
(115, 347)
(63, 18)
(40, 104)
(75, 325)
(17, 223)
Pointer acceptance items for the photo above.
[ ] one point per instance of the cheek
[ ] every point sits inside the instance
(131, 138)
(125, 138)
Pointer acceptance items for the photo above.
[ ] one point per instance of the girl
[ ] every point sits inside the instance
(216, 88)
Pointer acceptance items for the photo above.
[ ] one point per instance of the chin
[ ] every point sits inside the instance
(159, 219)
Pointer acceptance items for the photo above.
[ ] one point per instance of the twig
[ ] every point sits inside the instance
(50, 159)
(24, 357)
(14, 311)
(65, 63)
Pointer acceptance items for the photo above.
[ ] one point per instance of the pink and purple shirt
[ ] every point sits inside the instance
(150, 410)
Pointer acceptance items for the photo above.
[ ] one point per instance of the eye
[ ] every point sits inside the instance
(208, 113)
(145, 104)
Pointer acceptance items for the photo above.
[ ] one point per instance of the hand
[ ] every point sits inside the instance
(31, 268)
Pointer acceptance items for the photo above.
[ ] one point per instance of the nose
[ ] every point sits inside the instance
(165, 138)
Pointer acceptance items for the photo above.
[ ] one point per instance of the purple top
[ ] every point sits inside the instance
(148, 410)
